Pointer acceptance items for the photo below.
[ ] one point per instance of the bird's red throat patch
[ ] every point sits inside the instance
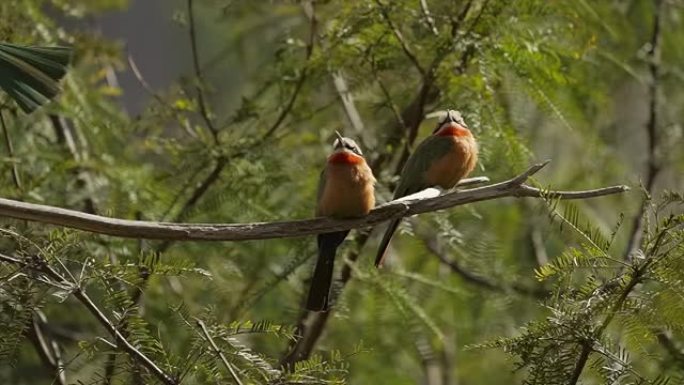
(453, 129)
(345, 157)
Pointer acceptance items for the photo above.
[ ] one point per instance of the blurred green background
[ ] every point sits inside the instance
(141, 132)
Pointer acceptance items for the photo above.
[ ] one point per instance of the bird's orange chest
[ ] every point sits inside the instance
(455, 164)
(348, 190)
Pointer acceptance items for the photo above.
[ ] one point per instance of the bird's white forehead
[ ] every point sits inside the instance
(454, 113)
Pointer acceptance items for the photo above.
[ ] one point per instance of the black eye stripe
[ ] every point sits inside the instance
(348, 145)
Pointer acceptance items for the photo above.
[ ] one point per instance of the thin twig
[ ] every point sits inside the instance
(385, 91)
(218, 351)
(10, 152)
(428, 17)
(141, 79)
(652, 166)
(147, 87)
(537, 241)
(310, 325)
(400, 38)
(201, 189)
(204, 112)
(83, 177)
(122, 342)
(310, 13)
(458, 21)
(79, 293)
(184, 188)
(654, 69)
(266, 230)
(427, 94)
(47, 349)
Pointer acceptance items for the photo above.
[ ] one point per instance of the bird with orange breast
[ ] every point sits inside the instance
(345, 190)
(442, 159)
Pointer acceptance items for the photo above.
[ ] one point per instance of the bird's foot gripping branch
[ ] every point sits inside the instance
(514, 187)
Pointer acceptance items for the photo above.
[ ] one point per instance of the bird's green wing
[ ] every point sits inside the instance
(413, 175)
(30, 74)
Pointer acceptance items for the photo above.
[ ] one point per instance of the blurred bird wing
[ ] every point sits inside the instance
(413, 175)
(52, 61)
(30, 74)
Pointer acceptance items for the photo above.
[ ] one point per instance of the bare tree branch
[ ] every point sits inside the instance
(406, 206)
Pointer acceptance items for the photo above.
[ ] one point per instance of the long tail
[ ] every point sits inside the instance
(380, 258)
(319, 292)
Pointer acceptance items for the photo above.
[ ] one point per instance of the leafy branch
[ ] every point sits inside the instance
(39, 265)
(652, 171)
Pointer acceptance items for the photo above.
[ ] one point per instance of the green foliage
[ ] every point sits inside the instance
(607, 318)
(244, 141)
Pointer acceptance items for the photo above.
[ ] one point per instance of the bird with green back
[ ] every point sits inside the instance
(442, 159)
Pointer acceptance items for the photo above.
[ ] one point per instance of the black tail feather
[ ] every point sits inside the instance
(319, 292)
(382, 249)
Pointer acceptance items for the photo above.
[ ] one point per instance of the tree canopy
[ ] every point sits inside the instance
(231, 124)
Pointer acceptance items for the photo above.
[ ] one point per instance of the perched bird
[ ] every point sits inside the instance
(442, 159)
(30, 74)
(345, 190)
